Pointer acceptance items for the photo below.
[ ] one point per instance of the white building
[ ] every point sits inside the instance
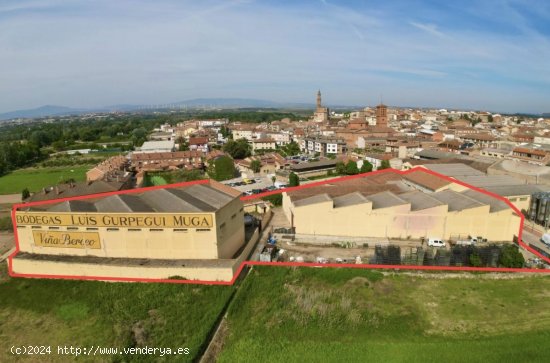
(156, 146)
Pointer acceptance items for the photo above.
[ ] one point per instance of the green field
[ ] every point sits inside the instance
(171, 177)
(37, 178)
(286, 315)
(86, 313)
(327, 315)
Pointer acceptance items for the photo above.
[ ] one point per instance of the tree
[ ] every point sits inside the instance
(275, 199)
(385, 164)
(256, 165)
(293, 180)
(291, 149)
(183, 145)
(273, 179)
(221, 168)
(238, 149)
(510, 256)
(224, 130)
(366, 167)
(351, 168)
(139, 136)
(490, 118)
(340, 168)
(475, 259)
(25, 194)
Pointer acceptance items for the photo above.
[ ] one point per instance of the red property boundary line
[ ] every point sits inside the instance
(259, 263)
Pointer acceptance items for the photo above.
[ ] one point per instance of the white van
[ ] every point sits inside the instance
(546, 239)
(436, 242)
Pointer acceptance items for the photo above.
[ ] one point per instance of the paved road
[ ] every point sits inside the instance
(7, 241)
(530, 238)
(10, 198)
(5, 255)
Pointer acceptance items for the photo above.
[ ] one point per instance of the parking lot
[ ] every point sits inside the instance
(255, 185)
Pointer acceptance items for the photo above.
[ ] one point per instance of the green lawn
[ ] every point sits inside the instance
(86, 313)
(344, 315)
(171, 177)
(37, 178)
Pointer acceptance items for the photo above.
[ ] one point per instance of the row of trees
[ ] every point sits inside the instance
(351, 168)
(15, 155)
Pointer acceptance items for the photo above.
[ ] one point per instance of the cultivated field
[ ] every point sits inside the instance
(86, 313)
(347, 315)
(36, 178)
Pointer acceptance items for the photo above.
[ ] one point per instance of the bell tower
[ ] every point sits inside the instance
(381, 115)
(319, 99)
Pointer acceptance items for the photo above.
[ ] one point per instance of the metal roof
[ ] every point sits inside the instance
(456, 201)
(455, 170)
(319, 198)
(495, 204)
(349, 199)
(520, 189)
(194, 198)
(483, 181)
(122, 203)
(385, 200)
(72, 206)
(420, 200)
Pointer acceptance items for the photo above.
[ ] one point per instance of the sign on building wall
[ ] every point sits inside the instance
(156, 220)
(67, 239)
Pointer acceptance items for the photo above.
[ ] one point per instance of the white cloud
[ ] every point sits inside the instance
(428, 28)
(113, 52)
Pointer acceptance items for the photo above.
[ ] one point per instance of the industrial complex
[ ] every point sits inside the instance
(415, 205)
(195, 231)
(198, 230)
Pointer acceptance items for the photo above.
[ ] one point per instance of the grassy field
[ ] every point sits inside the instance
(313, 315)
(37, 178)
(286, 315)
(86, 313)
(171, 177)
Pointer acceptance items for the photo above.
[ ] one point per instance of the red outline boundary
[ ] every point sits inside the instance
(257, 263)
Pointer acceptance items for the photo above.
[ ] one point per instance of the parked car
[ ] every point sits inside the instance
(436, 242)
(546, 239)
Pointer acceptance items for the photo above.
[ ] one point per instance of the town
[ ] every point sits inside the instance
(503, 155)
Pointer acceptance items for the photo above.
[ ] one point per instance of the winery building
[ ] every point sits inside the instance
(194, 231)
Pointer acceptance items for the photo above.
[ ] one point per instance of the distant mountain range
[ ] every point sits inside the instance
(197, 103)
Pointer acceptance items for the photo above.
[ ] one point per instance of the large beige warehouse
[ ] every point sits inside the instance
(390, 206)
(195, 232)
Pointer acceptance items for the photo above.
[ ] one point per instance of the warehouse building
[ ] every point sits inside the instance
(394, 208)
(195, 231)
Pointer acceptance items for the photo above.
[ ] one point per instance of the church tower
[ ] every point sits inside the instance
(319, 99)
(381, 115)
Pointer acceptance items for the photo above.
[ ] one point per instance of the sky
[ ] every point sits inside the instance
(482, 55)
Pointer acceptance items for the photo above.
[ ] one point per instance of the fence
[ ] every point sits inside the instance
(485, 256)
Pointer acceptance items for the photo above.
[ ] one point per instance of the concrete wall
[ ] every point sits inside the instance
(28, 266)
(399, 222)
(230, 236)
